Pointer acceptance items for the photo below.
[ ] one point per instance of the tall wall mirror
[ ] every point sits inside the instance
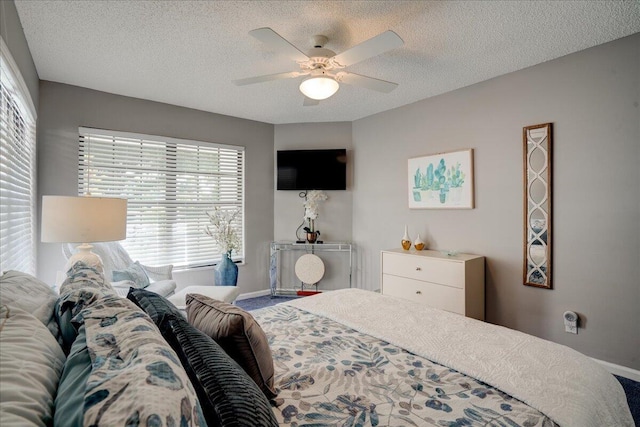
(537, 205)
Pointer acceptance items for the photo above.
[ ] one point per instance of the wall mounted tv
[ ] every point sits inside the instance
(312, 169)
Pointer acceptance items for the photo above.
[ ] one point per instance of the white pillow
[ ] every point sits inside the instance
(31, 363)
(30, 294)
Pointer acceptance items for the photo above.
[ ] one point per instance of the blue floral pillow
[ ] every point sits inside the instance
(134, 273)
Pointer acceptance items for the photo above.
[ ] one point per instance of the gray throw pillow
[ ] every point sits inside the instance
(238, 333)
(135, 273)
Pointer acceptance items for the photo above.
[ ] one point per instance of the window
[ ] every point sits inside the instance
(17, 169)
(170, 184)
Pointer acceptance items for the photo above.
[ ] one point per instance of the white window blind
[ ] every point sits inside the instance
(169, 185)
(17, 169)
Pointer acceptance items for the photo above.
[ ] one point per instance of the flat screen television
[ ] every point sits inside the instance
(312, 169)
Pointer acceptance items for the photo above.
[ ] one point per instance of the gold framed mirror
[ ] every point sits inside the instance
(537, 205)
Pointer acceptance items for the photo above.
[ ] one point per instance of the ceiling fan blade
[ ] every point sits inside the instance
(268, 77)
(366, 82)
(278, 43)
(369, 48)
(308, 102)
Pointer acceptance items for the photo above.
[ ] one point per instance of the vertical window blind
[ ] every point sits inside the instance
(17, 169)
(169, 185)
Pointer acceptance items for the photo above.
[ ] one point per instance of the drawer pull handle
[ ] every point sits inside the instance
(419, 292)
(418, 269)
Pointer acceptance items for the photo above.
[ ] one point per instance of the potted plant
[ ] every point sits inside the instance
(311, 205)
(226, 236)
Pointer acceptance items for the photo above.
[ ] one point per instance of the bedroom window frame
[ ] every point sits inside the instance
(18, 185)
(169, 184)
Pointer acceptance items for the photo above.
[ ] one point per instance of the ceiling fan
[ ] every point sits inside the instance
(323, 68)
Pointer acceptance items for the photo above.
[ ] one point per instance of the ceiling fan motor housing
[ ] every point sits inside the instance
(318, 55)
(319, 59)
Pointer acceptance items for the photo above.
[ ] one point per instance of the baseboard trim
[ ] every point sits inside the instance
(621, 371)
(254, 294)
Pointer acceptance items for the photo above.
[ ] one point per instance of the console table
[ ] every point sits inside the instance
(282, 279)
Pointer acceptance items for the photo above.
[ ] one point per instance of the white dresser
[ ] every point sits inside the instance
(452, 283)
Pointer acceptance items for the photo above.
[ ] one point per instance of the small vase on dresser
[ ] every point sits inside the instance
(406, 240)
(226, 271)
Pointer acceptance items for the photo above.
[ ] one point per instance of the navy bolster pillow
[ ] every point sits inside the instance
(227, 395)
(155, 305)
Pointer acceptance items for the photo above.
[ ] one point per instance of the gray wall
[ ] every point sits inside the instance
(13, 35)
(334, 214)
(64, 108)
(591, 98)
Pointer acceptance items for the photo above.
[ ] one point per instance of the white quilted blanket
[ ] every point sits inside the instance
(558, 381)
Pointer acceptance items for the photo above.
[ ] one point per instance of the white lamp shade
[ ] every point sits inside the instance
(83, 219)
(319, 87)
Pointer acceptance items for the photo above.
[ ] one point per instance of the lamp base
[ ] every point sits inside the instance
(85, 255)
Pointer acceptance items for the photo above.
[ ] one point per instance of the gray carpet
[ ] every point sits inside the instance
(631, 388)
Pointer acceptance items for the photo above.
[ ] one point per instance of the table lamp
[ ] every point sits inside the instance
(83, 220)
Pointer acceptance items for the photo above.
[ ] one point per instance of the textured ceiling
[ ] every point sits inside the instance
(188, 52)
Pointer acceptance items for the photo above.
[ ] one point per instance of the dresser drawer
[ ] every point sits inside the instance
(429, 294)
(448, 273)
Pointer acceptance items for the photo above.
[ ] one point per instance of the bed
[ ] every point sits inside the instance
(342, 358)
(358, 358)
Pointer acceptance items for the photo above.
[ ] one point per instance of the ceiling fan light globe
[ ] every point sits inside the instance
(319, 88)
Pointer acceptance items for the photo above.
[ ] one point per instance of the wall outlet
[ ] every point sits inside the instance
(570, 322)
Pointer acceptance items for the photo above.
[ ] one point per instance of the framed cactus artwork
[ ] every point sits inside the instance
(441, 181)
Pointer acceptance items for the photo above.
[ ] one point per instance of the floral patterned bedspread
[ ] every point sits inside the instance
(136, 378)
(331, 375)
